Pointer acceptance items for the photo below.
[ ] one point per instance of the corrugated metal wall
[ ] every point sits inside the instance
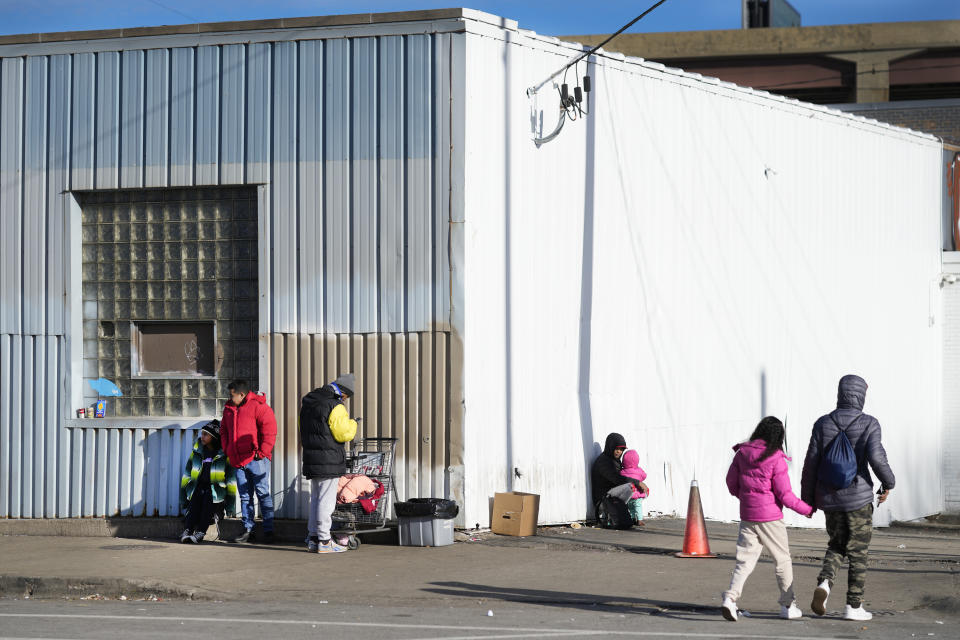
(690, 256)
(350, 134)
(403, 392)
(351, 138)
(34, 448)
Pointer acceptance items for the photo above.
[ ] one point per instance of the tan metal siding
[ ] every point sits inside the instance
(403, 392)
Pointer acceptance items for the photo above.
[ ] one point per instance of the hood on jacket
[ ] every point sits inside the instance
(851, 392)
(753, 449)
(252, 396)
(614, 440)
(630, 459)
(318, 395)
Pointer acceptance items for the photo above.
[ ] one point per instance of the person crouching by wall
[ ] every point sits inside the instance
(208, 486)
(325, 426)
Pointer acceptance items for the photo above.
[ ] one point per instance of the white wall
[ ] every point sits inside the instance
(657, 265)
(951, 382)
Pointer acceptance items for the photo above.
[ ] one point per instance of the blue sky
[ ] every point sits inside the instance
(560, 17)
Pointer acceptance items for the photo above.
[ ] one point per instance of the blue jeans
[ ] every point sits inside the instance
(255, 478)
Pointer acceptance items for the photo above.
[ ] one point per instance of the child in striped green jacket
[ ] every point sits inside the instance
(208, 486)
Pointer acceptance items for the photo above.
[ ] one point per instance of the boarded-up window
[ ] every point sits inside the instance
(177, 349)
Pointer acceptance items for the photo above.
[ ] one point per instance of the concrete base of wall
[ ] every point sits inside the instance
(286, 531)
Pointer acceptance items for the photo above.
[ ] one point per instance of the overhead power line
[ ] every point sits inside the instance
(593, 50)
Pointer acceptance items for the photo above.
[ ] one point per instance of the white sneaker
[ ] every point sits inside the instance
(790, 613)
(859, 614)
(820, 595)
(728, 609)
(330, 547)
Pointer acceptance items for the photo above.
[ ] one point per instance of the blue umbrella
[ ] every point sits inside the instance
(105, 387)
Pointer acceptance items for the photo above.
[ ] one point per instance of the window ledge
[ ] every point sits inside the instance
(138, 422)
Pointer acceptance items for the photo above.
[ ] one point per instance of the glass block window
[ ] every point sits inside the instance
(183, 259)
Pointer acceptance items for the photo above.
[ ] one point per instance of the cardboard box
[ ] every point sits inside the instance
(515, 513)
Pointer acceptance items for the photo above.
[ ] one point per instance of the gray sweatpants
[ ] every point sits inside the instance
(323, 500)
(622, 491)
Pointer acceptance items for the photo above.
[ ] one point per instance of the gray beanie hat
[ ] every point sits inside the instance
(346, 383)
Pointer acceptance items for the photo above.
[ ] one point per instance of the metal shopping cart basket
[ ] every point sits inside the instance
(373, 457)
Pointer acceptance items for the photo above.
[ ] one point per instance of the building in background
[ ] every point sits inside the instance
(293, 199)
(904, 73)
(758, 14)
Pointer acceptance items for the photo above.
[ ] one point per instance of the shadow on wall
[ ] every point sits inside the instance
(587, 442)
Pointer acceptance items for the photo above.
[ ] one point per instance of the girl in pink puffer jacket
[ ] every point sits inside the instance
(758, 477)
(630, 468)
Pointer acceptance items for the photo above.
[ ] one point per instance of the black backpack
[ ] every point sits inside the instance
(839, 465)
(612, 513)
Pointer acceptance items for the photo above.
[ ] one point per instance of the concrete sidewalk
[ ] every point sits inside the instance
(586, 567)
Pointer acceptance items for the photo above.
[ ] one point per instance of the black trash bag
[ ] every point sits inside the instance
(427, 507)
(612, 513)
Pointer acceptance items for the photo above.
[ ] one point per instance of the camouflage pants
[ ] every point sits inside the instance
(850, 533)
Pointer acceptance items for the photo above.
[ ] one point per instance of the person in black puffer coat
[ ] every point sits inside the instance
(848, 510)
(325, 426)
(605, 478)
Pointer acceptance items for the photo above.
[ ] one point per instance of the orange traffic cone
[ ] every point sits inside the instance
(695, 543)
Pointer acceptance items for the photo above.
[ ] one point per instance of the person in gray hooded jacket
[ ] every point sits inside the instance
(848, 511)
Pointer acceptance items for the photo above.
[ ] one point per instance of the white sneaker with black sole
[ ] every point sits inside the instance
(820, 595)
(728, 609)
(185, 536)
(857, 613)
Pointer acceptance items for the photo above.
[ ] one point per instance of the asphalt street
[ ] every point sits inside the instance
(565, 582)
(148, 620)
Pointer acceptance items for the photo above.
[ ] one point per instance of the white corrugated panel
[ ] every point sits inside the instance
(132, 116)
(181, 101)
(283, 233)
(32, 437)
(688, 257)
(106, 137)
(157, 117)
(11, 193)
(207, 115)
(310, 278)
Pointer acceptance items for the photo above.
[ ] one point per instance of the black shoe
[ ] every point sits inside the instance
(267, 537)
(244, 537)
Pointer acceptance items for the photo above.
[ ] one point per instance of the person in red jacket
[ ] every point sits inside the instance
(248, 430)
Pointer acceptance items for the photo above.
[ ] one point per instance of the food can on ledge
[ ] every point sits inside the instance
(81, 412)
(101, 409)
(92, 409)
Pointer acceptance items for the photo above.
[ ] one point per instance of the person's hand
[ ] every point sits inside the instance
(882, 496)
(809, 515)
(644, 488)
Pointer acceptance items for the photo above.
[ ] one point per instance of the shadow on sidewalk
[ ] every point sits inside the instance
(588, 602)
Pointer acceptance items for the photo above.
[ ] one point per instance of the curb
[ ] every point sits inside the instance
(26, 587)
(160, 528)
(926, 526)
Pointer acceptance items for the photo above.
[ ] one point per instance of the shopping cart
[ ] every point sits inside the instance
(373, 457)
